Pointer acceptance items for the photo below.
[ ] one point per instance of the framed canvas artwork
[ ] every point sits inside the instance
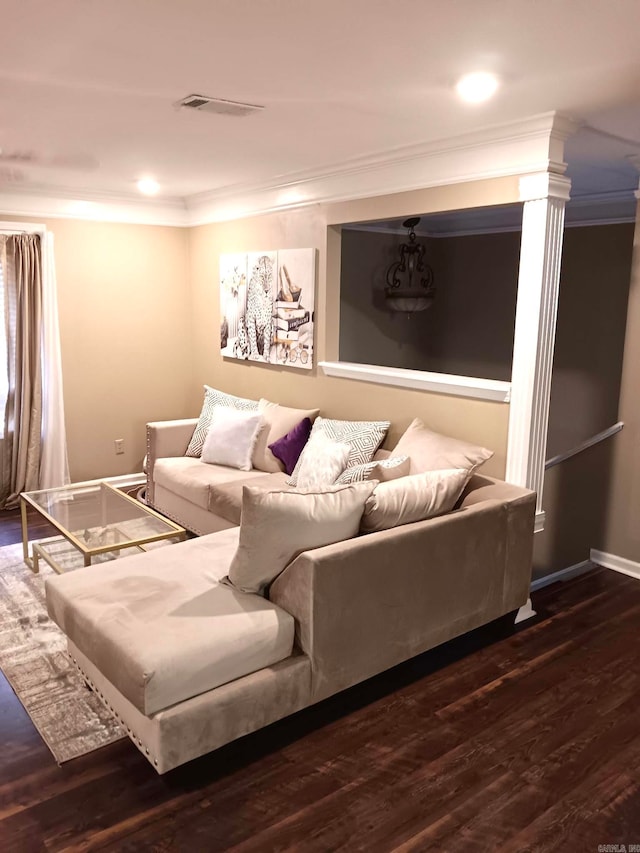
(267, 302)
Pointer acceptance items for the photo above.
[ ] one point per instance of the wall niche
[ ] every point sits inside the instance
(469, 328)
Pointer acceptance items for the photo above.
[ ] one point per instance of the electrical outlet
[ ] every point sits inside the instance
(119, 443)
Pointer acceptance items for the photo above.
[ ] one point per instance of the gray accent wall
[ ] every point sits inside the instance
(468, 331)
(592, 315)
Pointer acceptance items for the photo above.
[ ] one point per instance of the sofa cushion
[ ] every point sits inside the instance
(191, 478)
(431, 451)
(363, 437)
(279, 420)
(232, 437)
(225, 499)
(213, 397)
(161, 628)
(279, 525)
(413, 498)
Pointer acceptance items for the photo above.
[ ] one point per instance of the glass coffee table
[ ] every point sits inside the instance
(96, 523)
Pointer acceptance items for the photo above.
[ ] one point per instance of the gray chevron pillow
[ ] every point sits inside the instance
(383, 470)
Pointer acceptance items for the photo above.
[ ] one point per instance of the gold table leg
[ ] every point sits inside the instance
(25, 537)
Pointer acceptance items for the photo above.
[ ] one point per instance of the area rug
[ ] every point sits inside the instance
(70, 718)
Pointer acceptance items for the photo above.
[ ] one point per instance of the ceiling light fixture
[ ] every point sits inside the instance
(148, 186)
(477, 87)
(410, 280)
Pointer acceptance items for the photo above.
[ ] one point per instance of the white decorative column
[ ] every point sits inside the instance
(544, 196)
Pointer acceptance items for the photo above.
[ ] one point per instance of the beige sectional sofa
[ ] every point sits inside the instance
(156, 634)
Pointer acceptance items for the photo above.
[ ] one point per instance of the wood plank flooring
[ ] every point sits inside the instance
(503, 740)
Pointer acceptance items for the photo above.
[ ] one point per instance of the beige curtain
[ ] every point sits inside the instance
(22, 266)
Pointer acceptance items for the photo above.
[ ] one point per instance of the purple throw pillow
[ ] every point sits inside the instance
(290, 446)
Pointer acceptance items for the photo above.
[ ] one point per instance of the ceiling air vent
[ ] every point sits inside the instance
(218, 106)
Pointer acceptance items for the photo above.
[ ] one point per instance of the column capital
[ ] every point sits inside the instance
(540, 185)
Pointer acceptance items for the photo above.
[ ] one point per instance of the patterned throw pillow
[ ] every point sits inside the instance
(213, 397)
(363, 437)
(382, 470)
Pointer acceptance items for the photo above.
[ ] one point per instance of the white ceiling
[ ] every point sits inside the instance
(88, 87)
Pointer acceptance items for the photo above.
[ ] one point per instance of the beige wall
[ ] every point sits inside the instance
(139, 327)
(480, 421)
(125, 329)
(622, 536)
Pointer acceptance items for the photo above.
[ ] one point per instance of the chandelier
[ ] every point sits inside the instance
(410, 280)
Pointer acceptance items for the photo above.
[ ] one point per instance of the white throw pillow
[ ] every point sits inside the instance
(413, 498)
(363, 437)
(322, 461)
(231, 438)
(279, 421)
(213, 398)
(277, 526)
(381, 469)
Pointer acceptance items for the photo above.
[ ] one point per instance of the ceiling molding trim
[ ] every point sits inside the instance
(534, 145)
(93, 207)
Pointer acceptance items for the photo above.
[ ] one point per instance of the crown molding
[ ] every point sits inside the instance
(59, 203)
(534, 145)
(531, 146)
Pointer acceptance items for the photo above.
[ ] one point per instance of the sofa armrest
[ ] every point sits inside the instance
(166, 438)
(367, 604)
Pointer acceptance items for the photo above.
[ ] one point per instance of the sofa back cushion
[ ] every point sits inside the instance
(413, 498)
(276, 526)
(431, 451)
(279, 420)
(212, 398)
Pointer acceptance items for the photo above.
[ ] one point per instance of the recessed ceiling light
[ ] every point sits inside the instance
(148, 186)
(477, 87)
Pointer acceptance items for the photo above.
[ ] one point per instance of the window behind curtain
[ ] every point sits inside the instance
(3, 354)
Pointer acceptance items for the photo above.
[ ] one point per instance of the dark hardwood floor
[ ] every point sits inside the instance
(503, 740)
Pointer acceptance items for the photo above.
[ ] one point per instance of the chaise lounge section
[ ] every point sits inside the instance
(158, 633)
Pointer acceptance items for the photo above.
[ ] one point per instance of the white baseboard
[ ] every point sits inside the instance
(119, 481)
(564, 574)
(618, 564)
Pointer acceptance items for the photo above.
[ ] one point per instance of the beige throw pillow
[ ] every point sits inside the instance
(277, 526)
(279, 421)
(413, 498)
(430, 451)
